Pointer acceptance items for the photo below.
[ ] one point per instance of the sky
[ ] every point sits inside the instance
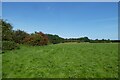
(60, 0)
(96, 20)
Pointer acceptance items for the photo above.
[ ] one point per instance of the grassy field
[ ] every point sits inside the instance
(0, 66)
(74, 60)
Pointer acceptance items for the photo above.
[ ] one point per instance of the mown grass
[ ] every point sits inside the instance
(67, 60)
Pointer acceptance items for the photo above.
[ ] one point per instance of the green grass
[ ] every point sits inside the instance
(0, 65)
(74, 60)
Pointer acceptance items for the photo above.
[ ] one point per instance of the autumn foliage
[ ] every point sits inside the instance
(12, 38)
(38, 38)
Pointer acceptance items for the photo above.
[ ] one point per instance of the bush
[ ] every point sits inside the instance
(9, 45)
(36, 39)
(19, 35)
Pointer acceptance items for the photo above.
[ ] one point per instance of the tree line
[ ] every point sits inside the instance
(12, 38)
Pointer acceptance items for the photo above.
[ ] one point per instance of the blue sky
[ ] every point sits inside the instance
(66, 19)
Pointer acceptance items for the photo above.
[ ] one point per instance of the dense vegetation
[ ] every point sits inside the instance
(38, 38)
(31, 59)
(15, 37)
(65, 60)
(55, 39)
(9, 45)
(18, 36)
(7, 36)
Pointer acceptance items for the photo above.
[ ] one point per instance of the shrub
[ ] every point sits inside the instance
(19, 35)
(36, 39)
(9, 45)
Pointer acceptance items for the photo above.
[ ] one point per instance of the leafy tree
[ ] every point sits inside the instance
(0, 35)
(108, 41)
(83, 39)
(38, 38)
(19, 35)
(6, 31)
(54, 39)
(86, 39)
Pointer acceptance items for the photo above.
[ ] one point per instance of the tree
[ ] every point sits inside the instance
(6, 31)
(54, 39)
(86, 39)
(83, 39)
(19, 35)
(108, 41)
(38, 38)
